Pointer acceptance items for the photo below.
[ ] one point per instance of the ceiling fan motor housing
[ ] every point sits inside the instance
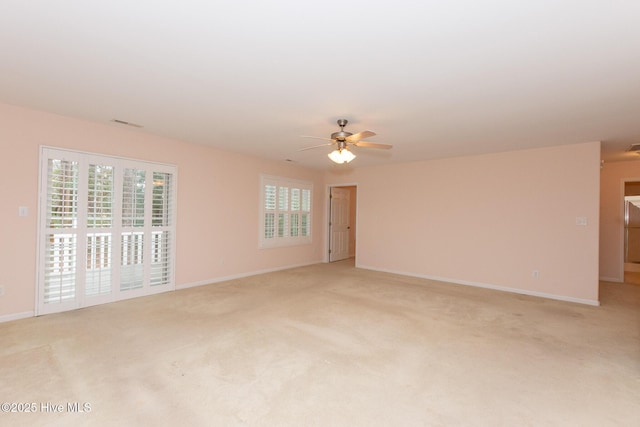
(340, 136)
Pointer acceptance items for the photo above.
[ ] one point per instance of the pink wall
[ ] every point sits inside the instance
(486, 220)
(612, 180)
(218, 201)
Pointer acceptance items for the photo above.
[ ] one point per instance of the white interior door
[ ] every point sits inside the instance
(339, 224)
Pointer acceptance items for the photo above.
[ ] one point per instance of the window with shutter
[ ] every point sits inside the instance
(132, 235)
(61, 235)
(107, 229)
(99, 229)
(162, 225)
(285, 212)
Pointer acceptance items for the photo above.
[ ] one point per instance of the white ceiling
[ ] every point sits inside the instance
(434, 78)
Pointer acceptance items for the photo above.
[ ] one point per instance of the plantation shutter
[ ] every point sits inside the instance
(305, 208)
(162, 224)
(285, 212)
(61, 234)
(132, 236)
(107, 229)
(99, 230)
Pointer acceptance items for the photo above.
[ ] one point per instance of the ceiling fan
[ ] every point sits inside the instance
(343, 140)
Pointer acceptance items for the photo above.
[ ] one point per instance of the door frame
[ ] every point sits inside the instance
(623, 194)
(326, 257)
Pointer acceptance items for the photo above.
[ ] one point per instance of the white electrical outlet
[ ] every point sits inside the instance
(1, 291)
(535, 274)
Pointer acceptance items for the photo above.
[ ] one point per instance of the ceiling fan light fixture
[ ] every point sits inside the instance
(341, 156)
(342, 139)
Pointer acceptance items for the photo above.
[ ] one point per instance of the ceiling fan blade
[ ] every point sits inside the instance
(360, 135)
(316, 137)
(316, 146)
(372, 145)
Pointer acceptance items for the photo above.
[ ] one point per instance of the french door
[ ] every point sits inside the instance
(106, 229)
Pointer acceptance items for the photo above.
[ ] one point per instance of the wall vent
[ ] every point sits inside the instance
(123, 122)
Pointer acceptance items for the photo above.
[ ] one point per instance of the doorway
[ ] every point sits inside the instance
(342, 222)
(632, 232)
(106, 229)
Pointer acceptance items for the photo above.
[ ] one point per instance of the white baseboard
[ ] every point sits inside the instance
(16, 316)
(26, 314)
(488, 286)
(240, 275)
(611, 279)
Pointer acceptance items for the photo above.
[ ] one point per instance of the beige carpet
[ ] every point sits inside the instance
(330, 345)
